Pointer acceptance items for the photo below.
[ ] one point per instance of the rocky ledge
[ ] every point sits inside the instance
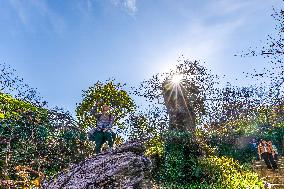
(124, 167)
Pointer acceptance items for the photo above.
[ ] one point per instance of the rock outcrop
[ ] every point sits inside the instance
(124, 167)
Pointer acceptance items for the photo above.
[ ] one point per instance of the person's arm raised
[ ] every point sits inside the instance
(94, 110)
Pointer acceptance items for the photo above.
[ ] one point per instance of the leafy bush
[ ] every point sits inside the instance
(180, 161)
(187, 186)
(243, 154)
(186, 164)
(228, 173)
(216, 173)
(32, 146)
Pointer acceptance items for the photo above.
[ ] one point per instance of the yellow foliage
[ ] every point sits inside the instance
(24, 173)
(231, 173)
(155, 146)
(36, 182)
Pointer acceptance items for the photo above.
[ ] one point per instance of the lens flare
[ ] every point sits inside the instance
(176, 79)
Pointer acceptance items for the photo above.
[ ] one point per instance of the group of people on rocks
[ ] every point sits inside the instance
(266, 151)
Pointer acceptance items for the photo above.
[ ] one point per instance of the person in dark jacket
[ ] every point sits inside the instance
(103, 131)
(270, 155)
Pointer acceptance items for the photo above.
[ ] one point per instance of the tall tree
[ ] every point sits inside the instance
(182, 91)
(109, 93)
(273, 51)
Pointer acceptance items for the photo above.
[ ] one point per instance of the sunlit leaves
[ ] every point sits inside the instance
(34, 141)
(109, 93)
(229, 173)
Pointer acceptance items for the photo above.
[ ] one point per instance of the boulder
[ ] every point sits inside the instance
(124, 167)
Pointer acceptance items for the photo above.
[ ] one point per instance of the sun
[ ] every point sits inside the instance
(176, 79)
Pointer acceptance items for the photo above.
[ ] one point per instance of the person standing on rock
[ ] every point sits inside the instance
(103, 130)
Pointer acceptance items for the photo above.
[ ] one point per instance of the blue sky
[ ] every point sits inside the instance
(63, 47)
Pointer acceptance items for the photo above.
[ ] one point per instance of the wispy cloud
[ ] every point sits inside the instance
(241, 7)
(36, 15)
(213, 35)
(20, 11)
(89, 4)
(199, 41)
(128, 5)
(205, 38)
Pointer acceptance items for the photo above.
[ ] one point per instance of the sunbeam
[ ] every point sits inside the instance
(176, 79)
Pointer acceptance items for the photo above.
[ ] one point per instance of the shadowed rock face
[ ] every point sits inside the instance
(124, 167)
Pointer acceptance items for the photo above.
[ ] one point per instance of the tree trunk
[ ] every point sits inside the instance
(181, 112)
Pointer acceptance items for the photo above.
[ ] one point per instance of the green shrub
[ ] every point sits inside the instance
(188, 186)
(180, 161)
(184, 166)
(229, 173)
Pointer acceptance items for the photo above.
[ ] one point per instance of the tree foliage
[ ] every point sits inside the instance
(108, 93)
(196, 86)
(35, 141)
(12, 84)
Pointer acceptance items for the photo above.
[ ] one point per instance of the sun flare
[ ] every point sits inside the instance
(176, 79)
